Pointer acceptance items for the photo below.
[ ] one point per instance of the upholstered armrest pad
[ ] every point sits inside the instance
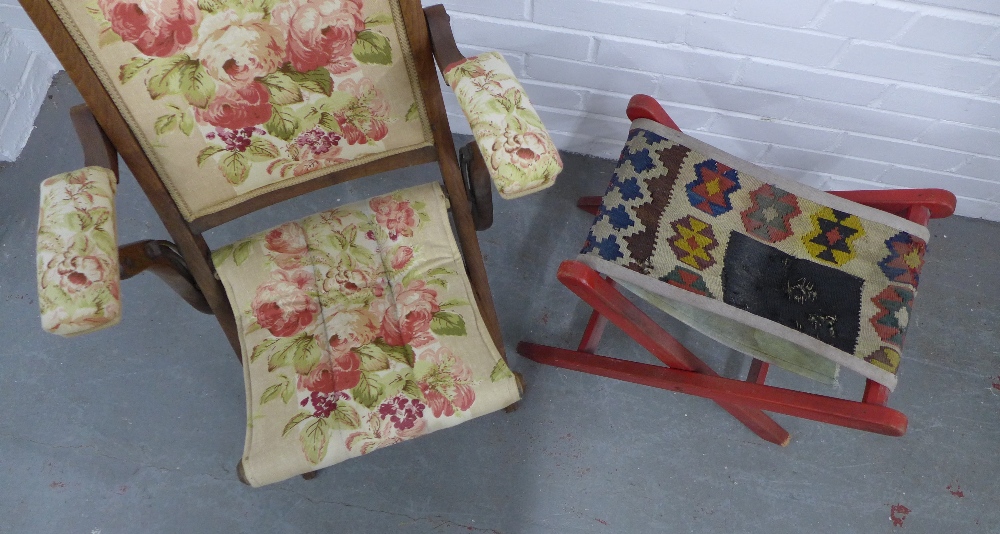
(78, 279)
(518, 151)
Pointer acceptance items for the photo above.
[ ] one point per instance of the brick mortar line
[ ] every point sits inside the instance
(769, 143)
(604, 140)
(530, 24)
(828, 71)
(558, 85)
(783, 122)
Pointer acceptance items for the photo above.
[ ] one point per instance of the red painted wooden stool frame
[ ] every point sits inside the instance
(746, 399)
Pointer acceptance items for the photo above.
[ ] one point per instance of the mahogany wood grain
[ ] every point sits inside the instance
(446, 52)
(98, 150)
(417, 156)
(423, 57)
(162, 259)
(478, 184)
(159, 257)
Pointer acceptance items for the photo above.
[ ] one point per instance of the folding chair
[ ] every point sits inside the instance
(358, 327)
(801, 302)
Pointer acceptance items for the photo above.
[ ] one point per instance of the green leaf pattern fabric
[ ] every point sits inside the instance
(232, 98)
(78, 280)
(359, 330)
(519, 152)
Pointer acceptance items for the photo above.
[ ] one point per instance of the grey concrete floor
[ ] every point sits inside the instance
(138, 428)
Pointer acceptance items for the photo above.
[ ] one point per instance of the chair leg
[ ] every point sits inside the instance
(728, 392)
(592, 334)
(758, 371)
(608, 302)
(687, 374)
(875, 393)
(590, 205)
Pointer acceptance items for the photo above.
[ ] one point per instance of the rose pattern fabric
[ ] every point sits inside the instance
(78, 280)
(244, 66)
(157, 28)
(228, 96)
(283, 305)
(360, 330)
(519, 153)
(321, 33)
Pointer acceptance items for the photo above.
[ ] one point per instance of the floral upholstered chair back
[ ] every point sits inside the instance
(234, 98)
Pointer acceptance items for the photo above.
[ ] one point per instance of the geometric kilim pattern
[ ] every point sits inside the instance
(769, 216)
(886, 358)
(642, 243)
(608, 249)
(687, 279)
(833, 233)
(710, 192)
(894, 304)
(693, 242)
(905, 259)
(677, 217)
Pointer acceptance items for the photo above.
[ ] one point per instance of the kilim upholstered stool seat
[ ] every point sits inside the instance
(784, 273)
(359, 327)
(360, 330)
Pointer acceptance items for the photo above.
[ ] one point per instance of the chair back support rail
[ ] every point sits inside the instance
(187, 235)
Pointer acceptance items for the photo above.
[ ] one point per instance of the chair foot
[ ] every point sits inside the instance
(519, 380)
(241, 474)
(310, 475)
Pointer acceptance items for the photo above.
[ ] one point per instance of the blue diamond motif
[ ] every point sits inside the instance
(618, 217)
(608, 249)
(641, 160)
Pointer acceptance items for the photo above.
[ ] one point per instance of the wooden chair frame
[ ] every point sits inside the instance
(684, 372)
(186, 264)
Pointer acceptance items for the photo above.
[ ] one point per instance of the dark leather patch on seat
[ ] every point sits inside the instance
(817, 300)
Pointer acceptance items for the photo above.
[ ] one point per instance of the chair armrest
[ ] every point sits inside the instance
(78, 276)
(518, 151)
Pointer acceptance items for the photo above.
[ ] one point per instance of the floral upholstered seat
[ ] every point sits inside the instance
(359, 330)
(358, 327)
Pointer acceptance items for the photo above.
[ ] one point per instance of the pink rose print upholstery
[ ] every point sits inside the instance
(78, 280)
(359, 330)
(357, 327)
(230, 99)
(518, 151)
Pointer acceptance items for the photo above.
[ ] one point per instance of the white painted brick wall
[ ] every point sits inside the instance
(26, 69)
(836, 93)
